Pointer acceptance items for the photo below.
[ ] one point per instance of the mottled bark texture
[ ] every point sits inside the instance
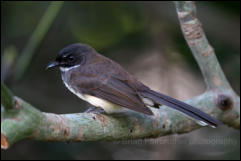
(20, 120)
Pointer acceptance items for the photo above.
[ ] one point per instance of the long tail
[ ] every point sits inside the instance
(181, 106)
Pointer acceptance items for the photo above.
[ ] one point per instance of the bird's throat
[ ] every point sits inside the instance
(66, 69)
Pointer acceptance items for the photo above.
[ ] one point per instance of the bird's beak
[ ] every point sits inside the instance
(52, 64)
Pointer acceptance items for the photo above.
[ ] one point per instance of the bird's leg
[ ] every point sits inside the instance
(95, 110)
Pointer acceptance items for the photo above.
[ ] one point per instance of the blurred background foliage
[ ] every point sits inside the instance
(146, 39)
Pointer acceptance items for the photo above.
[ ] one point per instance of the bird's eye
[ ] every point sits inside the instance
(70, 58)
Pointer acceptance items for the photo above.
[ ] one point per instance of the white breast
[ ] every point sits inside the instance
(98, 102)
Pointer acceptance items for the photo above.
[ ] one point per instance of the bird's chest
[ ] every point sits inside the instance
(98, 102)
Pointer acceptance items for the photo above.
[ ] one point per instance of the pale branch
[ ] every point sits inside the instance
(200, 47)
(23, 121)
(204, 53)
(26, 122)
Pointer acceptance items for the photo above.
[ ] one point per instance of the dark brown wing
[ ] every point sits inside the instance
(108, 81)
(120, 93)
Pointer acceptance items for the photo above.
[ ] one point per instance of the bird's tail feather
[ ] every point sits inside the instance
(195, 113)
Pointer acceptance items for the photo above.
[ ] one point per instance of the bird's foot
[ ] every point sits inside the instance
(95, 110)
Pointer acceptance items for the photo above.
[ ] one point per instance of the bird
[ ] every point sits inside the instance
(107, 85)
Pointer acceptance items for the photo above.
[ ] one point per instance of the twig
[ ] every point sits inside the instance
(7, 97)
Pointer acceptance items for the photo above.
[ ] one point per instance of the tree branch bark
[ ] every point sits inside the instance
(23, 121)
(200, 47)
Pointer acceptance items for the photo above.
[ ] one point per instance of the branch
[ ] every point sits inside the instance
(23, 121)
(26, 122)
(17, 122)
(200, 47)
(205, 56)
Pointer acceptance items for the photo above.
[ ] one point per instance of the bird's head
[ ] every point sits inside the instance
(71, 56)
